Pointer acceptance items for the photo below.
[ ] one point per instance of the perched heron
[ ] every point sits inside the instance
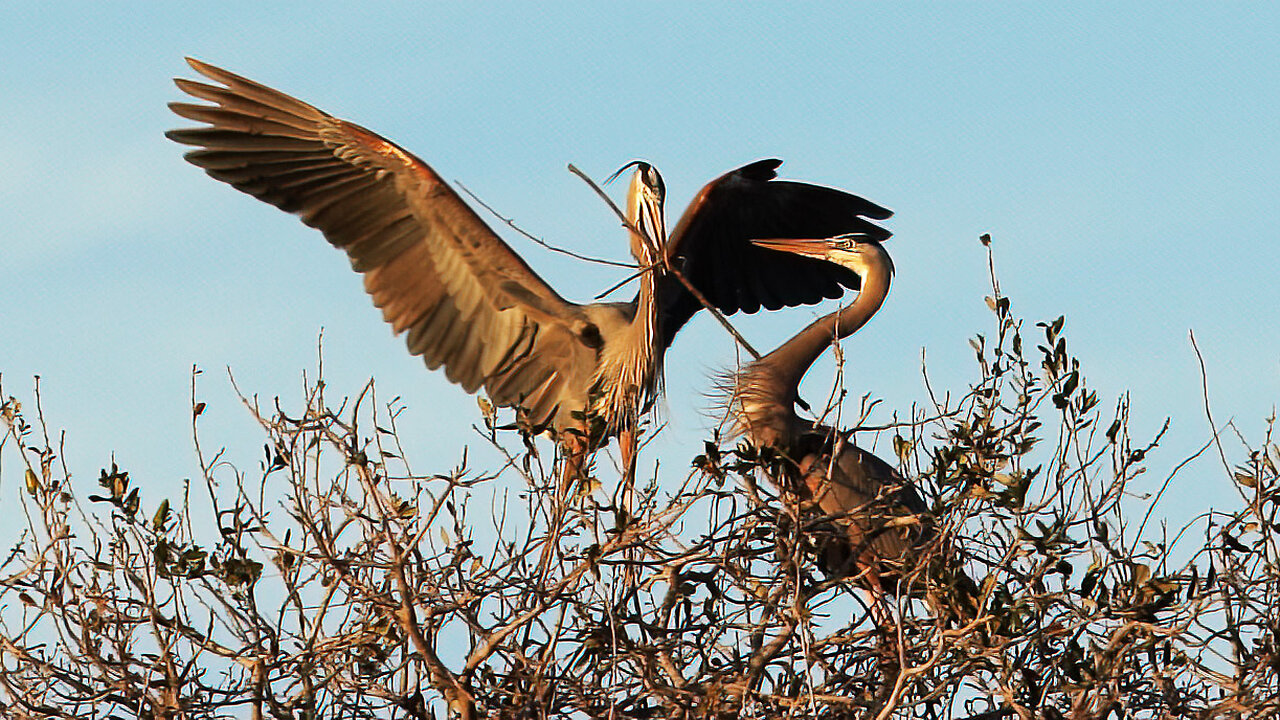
(881, 517)
(470, 304)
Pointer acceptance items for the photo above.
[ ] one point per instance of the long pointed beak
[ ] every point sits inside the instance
(808, 247)
(644, 210)
(651, 223)
(813, 247)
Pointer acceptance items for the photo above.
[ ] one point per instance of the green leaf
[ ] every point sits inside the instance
(161, 517)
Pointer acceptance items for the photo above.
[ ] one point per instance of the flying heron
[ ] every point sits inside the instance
(470, 304)
(881, 517)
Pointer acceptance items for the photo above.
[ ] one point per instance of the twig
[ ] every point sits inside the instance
(1165, 486)
(454, 691)
(512, 224)
(1204, 389)
(605, 293)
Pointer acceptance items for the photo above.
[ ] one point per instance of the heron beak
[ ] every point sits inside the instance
(652, 224)
(808, 247)
(644, 210)
(816, 247)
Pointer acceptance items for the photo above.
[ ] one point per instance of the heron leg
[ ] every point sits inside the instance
(573, 457)
(882, 614)
(879, 606)
(573, 465)
(627, 440)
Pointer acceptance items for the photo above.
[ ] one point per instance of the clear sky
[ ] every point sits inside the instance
(1125, 158)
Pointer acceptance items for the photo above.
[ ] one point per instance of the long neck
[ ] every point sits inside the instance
(630, 373)
(644, 334)
(793, 358)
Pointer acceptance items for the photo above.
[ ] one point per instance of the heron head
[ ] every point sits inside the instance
(644, 211)
(858, 252)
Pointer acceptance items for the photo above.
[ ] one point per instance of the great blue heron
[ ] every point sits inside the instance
(881, 516)
(471, 304)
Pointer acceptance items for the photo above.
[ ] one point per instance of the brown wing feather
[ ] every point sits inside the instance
(883, 518)
(466, 300)
(711, 243)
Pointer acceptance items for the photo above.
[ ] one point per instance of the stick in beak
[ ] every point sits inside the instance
(644, 209)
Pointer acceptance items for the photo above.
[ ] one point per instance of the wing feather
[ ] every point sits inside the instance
(464, 299)
(711, 244)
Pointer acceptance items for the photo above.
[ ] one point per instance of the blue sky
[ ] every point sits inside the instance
(1125, 158)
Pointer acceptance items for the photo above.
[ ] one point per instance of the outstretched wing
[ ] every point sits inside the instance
(466, 300)
(712, 243)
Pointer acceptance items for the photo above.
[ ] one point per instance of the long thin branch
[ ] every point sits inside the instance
(1208, 413)
(512, 224)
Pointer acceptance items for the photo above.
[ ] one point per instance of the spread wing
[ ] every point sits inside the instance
(466, 300)
(711, 243)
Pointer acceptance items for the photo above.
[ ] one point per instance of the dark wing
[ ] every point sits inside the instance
(874, 476)
(467, 301)
(711, 243)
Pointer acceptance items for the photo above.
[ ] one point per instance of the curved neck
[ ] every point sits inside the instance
(794, 358)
